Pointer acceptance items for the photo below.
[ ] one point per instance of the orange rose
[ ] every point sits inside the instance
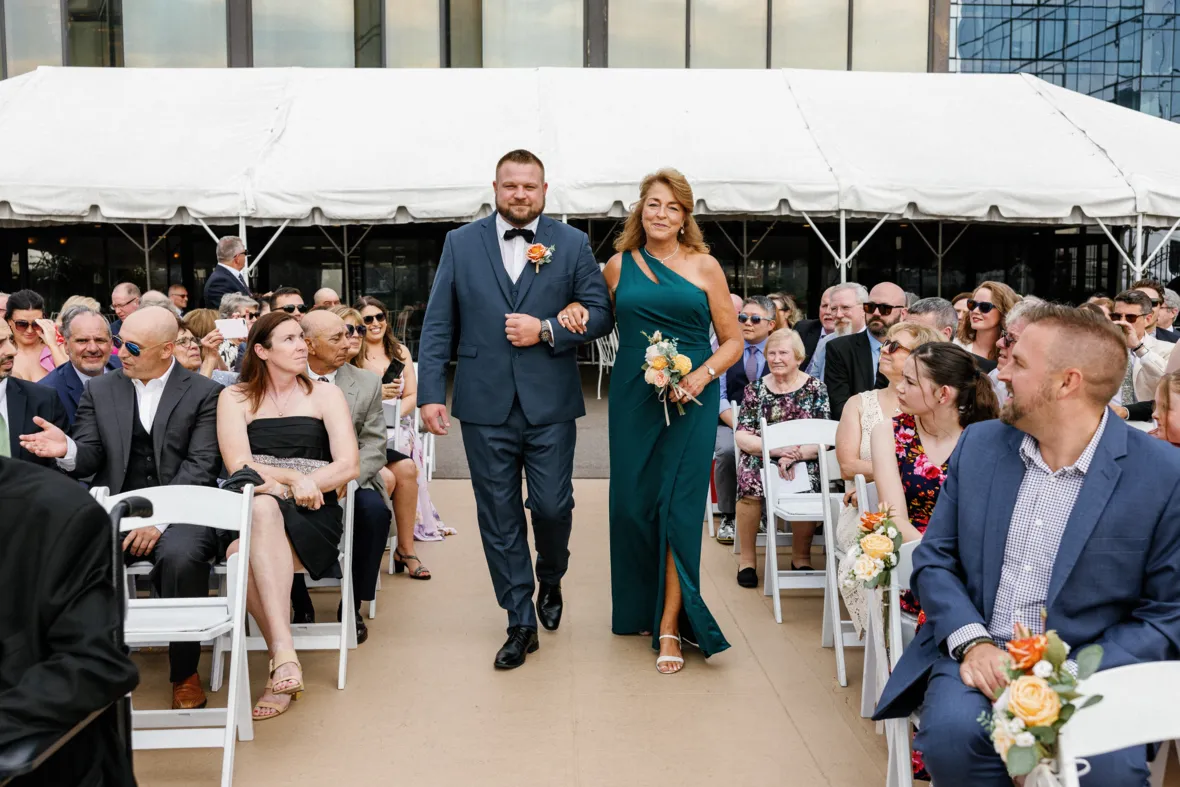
(1027, 651)
(870, 520)
(1031, 700)
(536, 252)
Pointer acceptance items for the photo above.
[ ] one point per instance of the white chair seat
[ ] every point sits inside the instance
(800, 506)
(146, 625)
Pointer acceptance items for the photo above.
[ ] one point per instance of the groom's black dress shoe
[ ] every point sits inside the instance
(522, 640)
(549, 606)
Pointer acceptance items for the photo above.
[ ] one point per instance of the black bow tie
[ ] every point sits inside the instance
(519, 232)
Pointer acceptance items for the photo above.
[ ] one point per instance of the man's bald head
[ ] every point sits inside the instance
(325, 297)
(885, 297)
(152, 323)
(327, 341)
(152, 330)
(737, 303)
(887, 292)
(321, 323)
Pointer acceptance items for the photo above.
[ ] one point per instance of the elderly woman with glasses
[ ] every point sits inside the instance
(861, 415)
(38, 351)
(987, 308)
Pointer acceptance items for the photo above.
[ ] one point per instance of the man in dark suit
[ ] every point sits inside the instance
(851, 364)
(1154, 289)
(1061, 509)
(20, 403)
(148, 424)
(811, 331)
(517, 387)
(88, 342)
(58, 658)
(227, 276)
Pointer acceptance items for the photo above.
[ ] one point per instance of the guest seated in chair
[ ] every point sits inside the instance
(1059, 517)
(298, 436)
(785, 393)
(88, 344)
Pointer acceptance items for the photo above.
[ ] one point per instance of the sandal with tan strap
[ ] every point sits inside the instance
(263, 705)
(282, 658)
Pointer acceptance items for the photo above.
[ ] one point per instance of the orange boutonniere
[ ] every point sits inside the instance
(539, 254)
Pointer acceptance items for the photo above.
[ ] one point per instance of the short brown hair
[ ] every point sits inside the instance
(1150, 284)
(1088, 341)
(520, 156)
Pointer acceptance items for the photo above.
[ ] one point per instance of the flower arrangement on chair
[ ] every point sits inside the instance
(874, 555)
(1040, 698)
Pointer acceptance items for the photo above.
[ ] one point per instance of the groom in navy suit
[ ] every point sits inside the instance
(1061, 507)
(500, 283)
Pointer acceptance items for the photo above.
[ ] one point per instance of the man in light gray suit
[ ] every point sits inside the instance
(500, 284)
(327, 354)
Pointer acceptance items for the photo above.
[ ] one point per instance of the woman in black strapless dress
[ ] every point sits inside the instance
(298, 436)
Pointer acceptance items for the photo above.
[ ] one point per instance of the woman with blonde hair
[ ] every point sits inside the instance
(987, 308)
(664, 284)
(355, 326)
(78, 300)
(1167, 409)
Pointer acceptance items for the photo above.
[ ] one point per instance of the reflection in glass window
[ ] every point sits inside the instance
(892, 35)
(367, 24)
(411, 34)
(95, 33)
(32, 34)
(465, 33)
(646, 34)
(807, 34)
(312, 33)
(728, 34)
(529, 33)
(179, 34)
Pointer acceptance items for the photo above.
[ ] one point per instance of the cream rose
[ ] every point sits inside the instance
(1032, 701)
(652, 352)
(659, 378)
(877, 545)
(865, 568)
(1002, 740)
(649, 376)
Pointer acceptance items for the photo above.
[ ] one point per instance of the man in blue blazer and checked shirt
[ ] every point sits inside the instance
(501, 281)
(1058, 508)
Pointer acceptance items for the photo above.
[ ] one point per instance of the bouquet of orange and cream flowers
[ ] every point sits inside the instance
(874, 555)
(664, 367)
(1040, 698)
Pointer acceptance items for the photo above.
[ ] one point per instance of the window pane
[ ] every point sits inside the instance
(528, 33)
(411, 34)
(465, 33)
(313, 33)
(367, 24)
(807, 34)
(646, 34)
(179, 34)
(32, 34)
(95, 30)
(891, 35)
(728, 34)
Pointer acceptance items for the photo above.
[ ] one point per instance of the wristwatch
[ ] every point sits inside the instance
(960, 653)
(712, 372)
(546, 333)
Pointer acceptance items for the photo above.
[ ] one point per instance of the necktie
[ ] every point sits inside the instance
(519, 232)
(1128, 388)
(5, 448)
(322, 379)
(751, 363)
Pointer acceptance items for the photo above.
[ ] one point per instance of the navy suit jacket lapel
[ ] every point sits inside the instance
(544, 234)
(1097, 488)
(1003, 490)
(17, 415)
(73, 384)
(492, 244)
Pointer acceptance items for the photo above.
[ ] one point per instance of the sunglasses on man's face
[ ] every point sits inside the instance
(885, 309)
(892, 346)
(379, 317)
(132, 347)
(753, 319)
(983, 306)
(1129, 319)
(24, 326)
(291, 308)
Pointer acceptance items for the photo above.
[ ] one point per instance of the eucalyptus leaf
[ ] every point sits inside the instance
(1091, 700)
(1056, 653)
(1021, 760)
(1089, 658)
(1045, 735)
(1067, 712)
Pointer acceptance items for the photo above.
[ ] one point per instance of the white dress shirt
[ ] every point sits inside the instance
(85, 378)
(4, 402)
(329, 376)
(237, 274)
(512, 252)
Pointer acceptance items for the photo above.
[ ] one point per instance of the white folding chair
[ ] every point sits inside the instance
(1138, 706)
(204, 619)
(876, 662)
(1160, 764)
(329, 636)
(709, 512)
(605, 350)
(901, 633)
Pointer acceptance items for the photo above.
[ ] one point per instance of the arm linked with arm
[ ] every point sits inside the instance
(590, 291)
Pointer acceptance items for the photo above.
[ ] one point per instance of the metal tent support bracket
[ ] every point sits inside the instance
(940, 252)
(745, 250)
(346, 252)
(843, 259)
(146, 249)
(249, 271)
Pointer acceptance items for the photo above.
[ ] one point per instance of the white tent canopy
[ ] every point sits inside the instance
(327, 146)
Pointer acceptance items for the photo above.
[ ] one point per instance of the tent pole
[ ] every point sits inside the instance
(212, 234)
(940, 259)
(1139, 265)
(745, 262)
(249, 269)
(1162, 243)
(347, 299)
(147, 258)
(1117, 246)
(843, 261)
(257, 259)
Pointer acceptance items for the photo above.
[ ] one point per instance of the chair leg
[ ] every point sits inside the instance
(1160, 763)
(826, 638)
(868, 679)
(373, 608)
(770, 583)
(217, 674)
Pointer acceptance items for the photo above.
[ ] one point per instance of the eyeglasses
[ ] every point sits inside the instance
(132, 347)
(380, 317)
(984, 306)
(291, 308)
(892, 346)
(1129, 319)
(189, 342)
(753, 319)
(1008, 338)
(24, 326)
(885, 309)
(124, 304)
(351, 330)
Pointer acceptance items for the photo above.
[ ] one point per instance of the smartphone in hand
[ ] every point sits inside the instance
(393, 372)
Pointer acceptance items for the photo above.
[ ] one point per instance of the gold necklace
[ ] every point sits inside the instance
(286, 399)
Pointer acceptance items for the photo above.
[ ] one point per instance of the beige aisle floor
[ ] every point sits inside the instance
(424, 706)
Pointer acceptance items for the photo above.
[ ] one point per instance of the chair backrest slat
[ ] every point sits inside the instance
(1138, 706)
(905, 565)
(191, 505)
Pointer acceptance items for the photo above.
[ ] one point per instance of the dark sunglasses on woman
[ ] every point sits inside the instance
(132, 347)
(892, 346)
(984, 306)
(886, 309)
(380, 317)
(291, 308)
(351, 330)
(753, 319)
(25, 325)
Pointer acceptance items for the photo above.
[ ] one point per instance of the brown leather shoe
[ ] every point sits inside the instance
(188, 694)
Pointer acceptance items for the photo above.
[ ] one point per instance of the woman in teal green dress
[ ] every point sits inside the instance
(663, 279)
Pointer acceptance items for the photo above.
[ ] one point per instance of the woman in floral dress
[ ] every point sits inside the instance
(942, 392)
(786, 393)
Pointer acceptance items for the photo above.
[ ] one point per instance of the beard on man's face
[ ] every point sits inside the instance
(1014, 410)
(519, 214)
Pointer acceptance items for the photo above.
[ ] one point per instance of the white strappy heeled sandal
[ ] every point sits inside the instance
(670, 659)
